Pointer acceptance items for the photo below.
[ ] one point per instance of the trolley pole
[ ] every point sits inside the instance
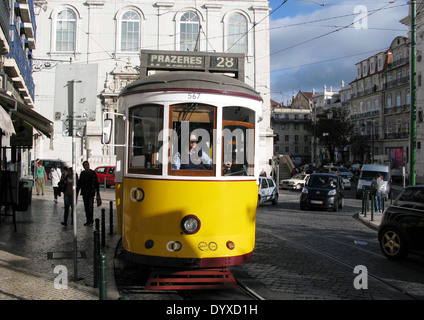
(72, 128)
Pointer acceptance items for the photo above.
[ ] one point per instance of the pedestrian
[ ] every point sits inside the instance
(89, 186)
(378, 193)
(55, 175)
(68, 194)
(40, 177)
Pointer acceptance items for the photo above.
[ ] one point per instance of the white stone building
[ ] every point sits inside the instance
(111, 34)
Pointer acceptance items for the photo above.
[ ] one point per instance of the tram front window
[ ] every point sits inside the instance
(238, 141)
(146, 122)
(192, 126)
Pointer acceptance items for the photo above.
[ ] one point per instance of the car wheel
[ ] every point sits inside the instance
(341, 204)
(275, 200)
(302, 207)
(393, 244)
(259, 201)
(298, 187)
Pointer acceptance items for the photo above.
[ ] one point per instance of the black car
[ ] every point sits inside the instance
(402, 226)
(323, 191)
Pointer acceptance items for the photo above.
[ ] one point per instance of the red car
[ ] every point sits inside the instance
(106, 175)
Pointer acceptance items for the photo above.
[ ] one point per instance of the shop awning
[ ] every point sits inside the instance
(6, 124)
(24, 112)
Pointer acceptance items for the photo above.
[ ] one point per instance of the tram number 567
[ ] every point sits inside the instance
(193, 96)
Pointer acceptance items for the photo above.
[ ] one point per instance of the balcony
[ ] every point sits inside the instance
(365, 115)
(397, 63)
(396, 135)
(397, 109)
(19, 67)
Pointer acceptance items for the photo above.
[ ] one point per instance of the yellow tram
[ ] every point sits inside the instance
(186, 178)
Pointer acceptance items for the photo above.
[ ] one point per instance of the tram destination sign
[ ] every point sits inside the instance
(196, 61)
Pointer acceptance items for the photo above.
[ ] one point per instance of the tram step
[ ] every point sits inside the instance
(166, 279)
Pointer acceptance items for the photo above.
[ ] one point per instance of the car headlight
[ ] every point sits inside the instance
(332, 192)
(305, 190)
(190, 224)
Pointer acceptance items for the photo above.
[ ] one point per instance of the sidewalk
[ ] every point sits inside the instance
(28, 257)
(373, 221)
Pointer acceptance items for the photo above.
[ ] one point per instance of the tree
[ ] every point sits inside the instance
(334, 129)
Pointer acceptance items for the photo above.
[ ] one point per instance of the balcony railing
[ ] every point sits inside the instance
(19, 54)
(365, 115)
(396, 135)
(398, 109)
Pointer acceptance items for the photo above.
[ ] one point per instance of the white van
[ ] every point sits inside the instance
(370, 172)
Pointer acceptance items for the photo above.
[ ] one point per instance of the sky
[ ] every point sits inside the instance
(317, 43)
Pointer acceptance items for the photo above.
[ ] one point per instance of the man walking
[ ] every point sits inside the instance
(89, 186)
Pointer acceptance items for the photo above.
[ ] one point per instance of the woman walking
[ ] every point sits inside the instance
(41, 177)
(68, 195)
(55, 175)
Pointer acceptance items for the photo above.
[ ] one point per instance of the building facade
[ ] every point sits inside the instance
(291, 128)
(381, 102)
(20, 122)
(111, 34)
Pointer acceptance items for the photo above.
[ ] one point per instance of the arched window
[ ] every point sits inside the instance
(189, 32)
(66, 27)
(130, 31)
(237, 34)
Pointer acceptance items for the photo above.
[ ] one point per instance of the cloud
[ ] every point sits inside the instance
(321, 47)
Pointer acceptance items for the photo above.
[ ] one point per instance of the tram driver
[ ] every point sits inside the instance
(197, 159)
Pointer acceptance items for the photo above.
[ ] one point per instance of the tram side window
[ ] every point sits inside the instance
(191, 145)
(238, 141)
(146, 122)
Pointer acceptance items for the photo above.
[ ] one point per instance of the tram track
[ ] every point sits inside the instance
(339, 261)
(131, 279)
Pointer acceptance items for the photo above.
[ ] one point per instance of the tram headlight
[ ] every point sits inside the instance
(190, 224)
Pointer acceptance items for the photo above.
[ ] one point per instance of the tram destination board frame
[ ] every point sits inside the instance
(192, 61)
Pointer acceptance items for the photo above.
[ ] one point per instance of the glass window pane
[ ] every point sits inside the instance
(237, 34)
(189, 31)
(238, 141)
(66, 31)
(146, 124)
(130, 31)
(192, 139)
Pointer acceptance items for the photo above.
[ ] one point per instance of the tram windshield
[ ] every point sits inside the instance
(192, 128)
(146, 122)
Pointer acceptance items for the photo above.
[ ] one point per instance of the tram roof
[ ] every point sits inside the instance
(191, 81)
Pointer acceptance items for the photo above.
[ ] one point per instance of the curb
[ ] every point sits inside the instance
(368, 223)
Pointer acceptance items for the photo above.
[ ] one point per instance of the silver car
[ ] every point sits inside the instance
(295, 183)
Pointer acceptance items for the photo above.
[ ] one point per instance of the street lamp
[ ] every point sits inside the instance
(372, 136)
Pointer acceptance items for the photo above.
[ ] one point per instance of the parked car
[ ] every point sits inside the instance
(346, 181)
(297, 182)
(401, 230)
(267, 191)
(49, 164)
(324, 191)
(345, 172)
(106, 172)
